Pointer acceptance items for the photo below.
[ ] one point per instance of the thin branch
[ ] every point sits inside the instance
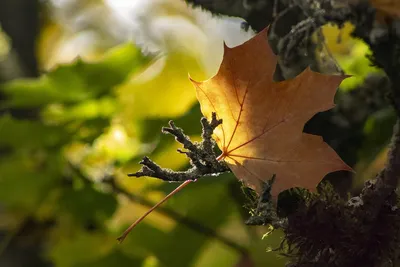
(203, 159)
(265, 212)
(133, 225)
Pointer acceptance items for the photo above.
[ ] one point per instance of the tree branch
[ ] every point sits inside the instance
(265, 212)
(203, 159)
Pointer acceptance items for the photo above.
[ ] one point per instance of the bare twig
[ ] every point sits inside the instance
(202, 159)
(201, 155)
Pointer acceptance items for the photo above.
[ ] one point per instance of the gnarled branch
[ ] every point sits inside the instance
(201, 155)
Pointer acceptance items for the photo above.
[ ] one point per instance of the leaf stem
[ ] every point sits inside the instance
(176, 190)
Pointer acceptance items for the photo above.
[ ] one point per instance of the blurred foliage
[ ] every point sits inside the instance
(98, 115)
(350, 54)
(4, 44)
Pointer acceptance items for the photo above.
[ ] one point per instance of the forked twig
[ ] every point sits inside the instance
(203, 161)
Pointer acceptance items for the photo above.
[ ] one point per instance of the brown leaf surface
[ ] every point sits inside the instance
(389, 8)
(263, 121)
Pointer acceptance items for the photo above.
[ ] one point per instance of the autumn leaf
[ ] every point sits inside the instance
(389, 8)
(263, 121)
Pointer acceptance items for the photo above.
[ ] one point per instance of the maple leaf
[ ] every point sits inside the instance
(263, 121)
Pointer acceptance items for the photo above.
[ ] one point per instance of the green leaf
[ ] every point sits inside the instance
(163, 90)
(91, 109)
(150, 129)
(378, 130)
(25, 134)
(26, 180)
(357, 64)
(77, 81)
(89, 130)
(217, 254)
(88, 205)
(81, 248)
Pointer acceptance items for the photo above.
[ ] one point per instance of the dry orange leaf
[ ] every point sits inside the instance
(387, 7)
(263, 121)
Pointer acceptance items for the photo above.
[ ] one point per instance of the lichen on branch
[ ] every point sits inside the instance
(202, 156)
